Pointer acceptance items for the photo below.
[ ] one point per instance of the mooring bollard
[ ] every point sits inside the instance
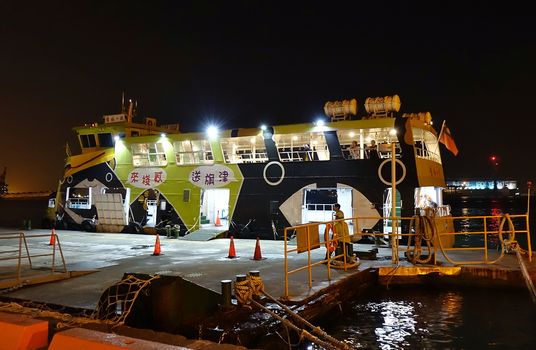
(240, 278)
(226, 293)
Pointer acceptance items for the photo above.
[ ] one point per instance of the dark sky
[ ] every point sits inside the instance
(242, 63)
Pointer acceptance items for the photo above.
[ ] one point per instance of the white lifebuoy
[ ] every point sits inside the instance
(109, 177)
(274, 183)
(388, 161)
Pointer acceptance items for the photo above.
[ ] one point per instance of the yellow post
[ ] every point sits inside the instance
(286, 262)
(529, 185)
(394, 231)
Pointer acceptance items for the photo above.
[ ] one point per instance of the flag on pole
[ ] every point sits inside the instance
(445, 137)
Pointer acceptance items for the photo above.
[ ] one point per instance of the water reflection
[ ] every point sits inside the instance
(421, 318)
(488, 207)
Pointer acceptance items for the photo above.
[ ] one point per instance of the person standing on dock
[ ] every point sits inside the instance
(341, 227)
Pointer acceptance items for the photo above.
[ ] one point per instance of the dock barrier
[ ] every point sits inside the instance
(29, 267)
(22, 332)
(427, 235)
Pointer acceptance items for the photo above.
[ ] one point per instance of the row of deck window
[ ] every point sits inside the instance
(297, 147)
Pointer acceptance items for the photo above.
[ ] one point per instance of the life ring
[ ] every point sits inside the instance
(273, 183)
(388, 161)
(332, 244)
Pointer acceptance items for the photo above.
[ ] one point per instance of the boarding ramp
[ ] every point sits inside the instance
(113, 216)
(22, 266)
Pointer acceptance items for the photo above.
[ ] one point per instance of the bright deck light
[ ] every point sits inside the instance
(263, 127)
(212, 131)
(320, 122)
(163, 134)
(116, 138)
(392, 132)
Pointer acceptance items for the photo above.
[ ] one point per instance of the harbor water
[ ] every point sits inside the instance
(435, 317)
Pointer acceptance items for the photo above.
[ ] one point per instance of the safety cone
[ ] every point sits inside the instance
(52, 237)
(218, 222)
(257, 255)
(157, 245)
(232, 252)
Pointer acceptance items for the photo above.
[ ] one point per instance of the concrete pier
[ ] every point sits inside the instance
(102, 259)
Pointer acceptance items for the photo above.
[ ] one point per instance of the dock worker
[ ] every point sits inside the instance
(341, 227)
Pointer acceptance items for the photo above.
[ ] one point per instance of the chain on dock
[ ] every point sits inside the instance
(254, 286)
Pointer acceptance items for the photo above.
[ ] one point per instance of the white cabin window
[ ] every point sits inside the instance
(148, 154)
(78, 198)
(300, 147)
(193, 152)
(426, 145)
(244, 149)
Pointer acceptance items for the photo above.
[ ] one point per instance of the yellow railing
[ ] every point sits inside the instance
(440, 236)
(307, 236)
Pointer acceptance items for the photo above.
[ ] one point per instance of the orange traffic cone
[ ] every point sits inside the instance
(157, 245)
(257, 255)
(218, 222)
(52, 237)
(232, 252)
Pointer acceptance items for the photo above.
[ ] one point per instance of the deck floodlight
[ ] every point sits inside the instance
(212, 131)
(320, 122)
(116, 138)
(263, 127)
(163, 134)
(392, 132)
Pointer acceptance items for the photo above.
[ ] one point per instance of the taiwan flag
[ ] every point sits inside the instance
(445, 137)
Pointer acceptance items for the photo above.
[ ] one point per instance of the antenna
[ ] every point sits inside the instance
(123, 102)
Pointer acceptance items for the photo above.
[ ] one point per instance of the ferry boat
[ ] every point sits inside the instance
(251, 182)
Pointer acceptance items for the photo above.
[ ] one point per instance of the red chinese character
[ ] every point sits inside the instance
(146, 180)
(157, 176)
(134, 177)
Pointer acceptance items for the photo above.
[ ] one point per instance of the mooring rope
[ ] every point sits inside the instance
(243, 293)
(257, 285)
(511, 244)
(302, 332)
(425, 230)
(253, 285)
(315, 329)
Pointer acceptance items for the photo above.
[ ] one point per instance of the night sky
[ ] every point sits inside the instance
(243, 63)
